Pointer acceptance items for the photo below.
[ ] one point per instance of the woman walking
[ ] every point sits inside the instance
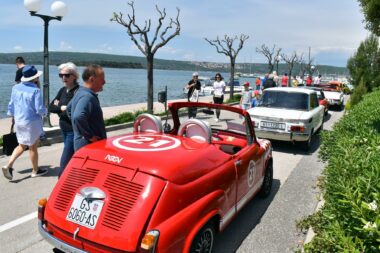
(219, 87)
(26, 108)
(69, 75)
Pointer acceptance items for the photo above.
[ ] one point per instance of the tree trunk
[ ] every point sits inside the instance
(232, 73)
(149, 69)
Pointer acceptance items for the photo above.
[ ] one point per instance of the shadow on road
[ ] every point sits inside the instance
(295, 148)
(246, 220)
(52, 172)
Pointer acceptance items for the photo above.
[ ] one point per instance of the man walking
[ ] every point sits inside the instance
(20, 64)
(84, 109)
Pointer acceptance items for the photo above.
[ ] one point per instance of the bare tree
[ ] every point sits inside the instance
(306, 67)
(140, 36)
(290, 61)
(272, 55)
(225, 46)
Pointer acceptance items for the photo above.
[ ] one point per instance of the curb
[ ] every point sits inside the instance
(310, 232)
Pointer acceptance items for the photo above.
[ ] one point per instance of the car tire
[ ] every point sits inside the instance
(204, 240)
(267, 182)
(306, 145)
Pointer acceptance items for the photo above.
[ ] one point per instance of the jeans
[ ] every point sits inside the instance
(68, 150)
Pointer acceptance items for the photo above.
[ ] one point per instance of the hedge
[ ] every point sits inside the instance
(349, 221)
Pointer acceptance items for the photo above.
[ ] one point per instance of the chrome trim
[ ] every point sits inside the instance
(92, 193)
(57, 242)
(202, 124)
(146, 116)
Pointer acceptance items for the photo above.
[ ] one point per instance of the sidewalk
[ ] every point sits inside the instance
(108, 112)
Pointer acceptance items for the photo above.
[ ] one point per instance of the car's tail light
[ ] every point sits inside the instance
(297, 129)
(41, 208)
(149, 241)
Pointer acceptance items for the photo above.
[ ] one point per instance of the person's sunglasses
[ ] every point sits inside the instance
(64, 75)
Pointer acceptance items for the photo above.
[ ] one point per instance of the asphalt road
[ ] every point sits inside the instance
(264, 225)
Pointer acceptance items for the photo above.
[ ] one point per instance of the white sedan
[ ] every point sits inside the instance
(288, 114)
(335, 98)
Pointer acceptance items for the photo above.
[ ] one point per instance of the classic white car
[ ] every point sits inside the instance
(335, 98)
(288, 114)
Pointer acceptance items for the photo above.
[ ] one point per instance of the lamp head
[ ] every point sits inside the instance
(33, 5)
(59, 9)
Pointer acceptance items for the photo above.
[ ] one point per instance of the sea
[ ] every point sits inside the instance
(123, 86)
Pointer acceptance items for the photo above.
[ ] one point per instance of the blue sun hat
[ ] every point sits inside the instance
(30, 73)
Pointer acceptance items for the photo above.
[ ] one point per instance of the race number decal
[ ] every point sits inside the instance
(251, 173)
(144, 143)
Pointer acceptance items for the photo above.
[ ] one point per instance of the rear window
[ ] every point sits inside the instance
(283, 99)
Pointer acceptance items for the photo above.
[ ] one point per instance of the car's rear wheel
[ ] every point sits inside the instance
(268, 180)
(204, 240)
(306, 145)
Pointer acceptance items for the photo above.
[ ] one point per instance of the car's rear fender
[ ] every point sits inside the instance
(177, 232)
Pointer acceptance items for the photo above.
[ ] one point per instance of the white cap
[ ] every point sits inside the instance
(195, 74)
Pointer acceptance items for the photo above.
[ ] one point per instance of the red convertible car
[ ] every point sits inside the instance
(166, 187)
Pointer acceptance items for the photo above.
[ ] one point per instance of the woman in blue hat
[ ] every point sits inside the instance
(26, 108)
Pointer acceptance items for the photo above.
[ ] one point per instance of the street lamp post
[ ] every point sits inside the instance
(278, 59)
(59, 10)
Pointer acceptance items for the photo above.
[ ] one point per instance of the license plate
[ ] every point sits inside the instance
(273, 125)
(85, 212)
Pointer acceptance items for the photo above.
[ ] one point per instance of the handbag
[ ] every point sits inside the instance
(9, 142)
(194, 97)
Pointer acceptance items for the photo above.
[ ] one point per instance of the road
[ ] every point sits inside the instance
(264, 225)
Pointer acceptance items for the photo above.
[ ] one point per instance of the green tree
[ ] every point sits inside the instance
(365, 63)
(371, 10)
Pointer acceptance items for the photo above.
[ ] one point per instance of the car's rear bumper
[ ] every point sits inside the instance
(281, 135)
(56, 242)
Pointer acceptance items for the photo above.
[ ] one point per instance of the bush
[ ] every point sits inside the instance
(350, 219)
(235, 98)
(123, 118)
(358, 93)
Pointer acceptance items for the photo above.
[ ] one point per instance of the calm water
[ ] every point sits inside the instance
(124, 86)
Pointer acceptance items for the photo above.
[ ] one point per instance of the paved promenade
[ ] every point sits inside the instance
(108, 112)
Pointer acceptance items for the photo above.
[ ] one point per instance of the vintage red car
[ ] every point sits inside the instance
(162, 188)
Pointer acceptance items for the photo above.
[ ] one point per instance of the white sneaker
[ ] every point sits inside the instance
(8, 173)
(216, 120)
(39, 173)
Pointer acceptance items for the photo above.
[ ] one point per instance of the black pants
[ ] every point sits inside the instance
(218, 100)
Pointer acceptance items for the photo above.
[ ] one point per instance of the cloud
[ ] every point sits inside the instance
(64, 46)
(18, 48)
(342, 49)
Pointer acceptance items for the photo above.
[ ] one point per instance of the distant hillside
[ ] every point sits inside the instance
(122, 61)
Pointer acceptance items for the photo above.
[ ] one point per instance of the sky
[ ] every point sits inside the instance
(333, 29)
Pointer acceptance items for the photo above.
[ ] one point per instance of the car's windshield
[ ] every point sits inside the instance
(283, 99)
(225, 120)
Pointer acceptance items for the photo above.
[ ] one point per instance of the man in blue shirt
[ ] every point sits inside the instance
(27, 109)
(84, 109)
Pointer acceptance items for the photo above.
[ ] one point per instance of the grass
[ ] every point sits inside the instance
(349, 221)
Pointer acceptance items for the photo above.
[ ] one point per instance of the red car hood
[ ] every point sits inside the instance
(177, 159)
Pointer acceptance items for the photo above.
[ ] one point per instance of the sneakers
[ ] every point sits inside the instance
(216, 120)
(39, 173)
(8, 173)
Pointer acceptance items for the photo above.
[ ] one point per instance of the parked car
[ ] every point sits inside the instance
(335, 98)
(321, 98)
(288, 114)
(156, 190)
